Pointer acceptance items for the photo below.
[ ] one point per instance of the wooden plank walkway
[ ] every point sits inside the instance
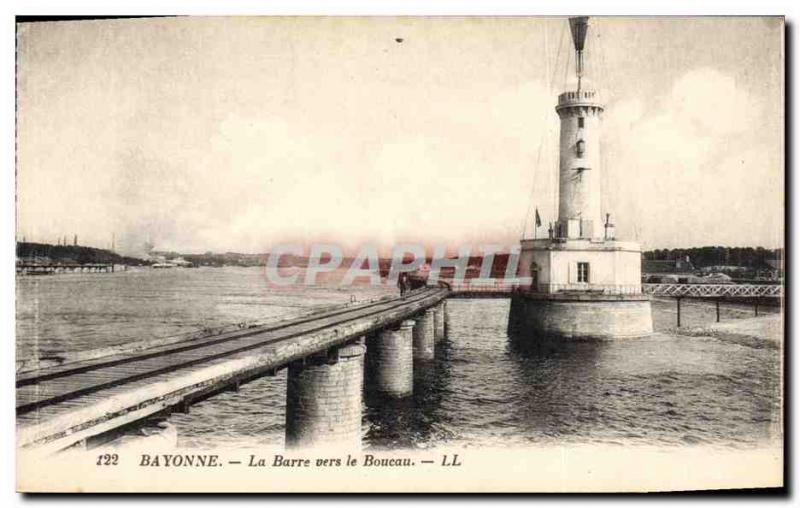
(60, 406)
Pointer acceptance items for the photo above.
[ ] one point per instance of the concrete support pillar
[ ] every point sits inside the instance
(323, 399)
(423, 334)
(392, 361)
(438, 321)
(447, 325)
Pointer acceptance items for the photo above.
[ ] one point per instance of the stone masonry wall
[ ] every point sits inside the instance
(392, 361)
(580, 319)
(323, 400)
(423, 336)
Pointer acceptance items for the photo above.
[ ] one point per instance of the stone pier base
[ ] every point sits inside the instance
(438, 321)
(423, 334)
(543, 316)
(323, 400)
(447, 322)
(391, 361)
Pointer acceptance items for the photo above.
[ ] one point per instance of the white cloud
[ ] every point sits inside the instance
(687, 166)
(348, 136)
(710, 103)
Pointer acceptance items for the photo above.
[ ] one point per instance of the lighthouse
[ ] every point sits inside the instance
(583, 281)
(580, 113)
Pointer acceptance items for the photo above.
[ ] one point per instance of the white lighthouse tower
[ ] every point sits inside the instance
(584, 282)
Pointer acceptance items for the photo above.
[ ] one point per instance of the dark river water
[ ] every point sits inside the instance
(482, 388)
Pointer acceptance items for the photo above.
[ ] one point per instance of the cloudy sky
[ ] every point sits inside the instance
(239, 133)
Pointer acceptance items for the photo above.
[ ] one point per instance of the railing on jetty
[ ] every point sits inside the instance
(471, 289)
(744, 292)
(715, 290)
(498, 288)
(51, 268)
(501, 289)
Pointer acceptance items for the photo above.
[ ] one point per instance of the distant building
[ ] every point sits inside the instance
(668, 266)
(179, 261)
(669, 271)
(773, 270)
(717, 278)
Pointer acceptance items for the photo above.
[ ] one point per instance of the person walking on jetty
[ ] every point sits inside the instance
(402, 283)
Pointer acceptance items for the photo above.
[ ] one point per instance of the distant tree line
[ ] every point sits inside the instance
(750, 257)
(74, 254)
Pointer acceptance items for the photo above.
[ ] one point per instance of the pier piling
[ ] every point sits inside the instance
(392, 361)
(423, 334)
(438, 320)
(323, 399)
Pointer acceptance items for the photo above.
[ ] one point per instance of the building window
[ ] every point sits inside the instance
(580, 122)
(580, 146)
(583, 272)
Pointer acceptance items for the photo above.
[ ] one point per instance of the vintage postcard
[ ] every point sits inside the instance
(399, 254)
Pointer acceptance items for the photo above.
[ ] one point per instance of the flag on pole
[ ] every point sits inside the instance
(538, 220)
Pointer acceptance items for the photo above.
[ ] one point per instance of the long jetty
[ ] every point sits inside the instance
(85, 402)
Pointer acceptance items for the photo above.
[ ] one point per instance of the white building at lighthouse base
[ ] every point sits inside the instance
(580, 289)
(581, 264)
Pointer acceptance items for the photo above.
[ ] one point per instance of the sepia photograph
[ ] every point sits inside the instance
(400, 253)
